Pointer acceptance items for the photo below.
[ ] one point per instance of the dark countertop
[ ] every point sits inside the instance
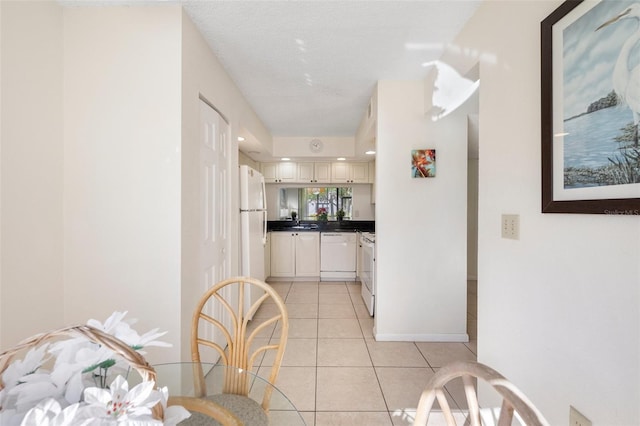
(329, 226)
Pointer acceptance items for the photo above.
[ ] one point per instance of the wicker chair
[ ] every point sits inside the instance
(240, 350)
(513, 400)
(134, 359)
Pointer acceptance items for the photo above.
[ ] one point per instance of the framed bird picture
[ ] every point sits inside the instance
(590, 81)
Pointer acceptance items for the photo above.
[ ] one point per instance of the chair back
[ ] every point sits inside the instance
(513, 400)
(240, 328)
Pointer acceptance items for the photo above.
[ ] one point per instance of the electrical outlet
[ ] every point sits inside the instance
(576, 418)
(511, 226)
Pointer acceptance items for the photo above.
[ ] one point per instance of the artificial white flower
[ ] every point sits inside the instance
(13, 378)
(10, 417)
(49, 413)
(19, 368)
(121, 329)
(33, 389)
(174, 414)
(119, 404)
(111, 324)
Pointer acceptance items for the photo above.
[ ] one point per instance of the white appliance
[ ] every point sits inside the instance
(337, 256)
(368, 278)
(253, 229)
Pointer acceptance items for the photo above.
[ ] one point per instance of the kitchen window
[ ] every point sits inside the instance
(332, 199)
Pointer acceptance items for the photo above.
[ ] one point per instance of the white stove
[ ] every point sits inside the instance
(369, 236)
(368, 273)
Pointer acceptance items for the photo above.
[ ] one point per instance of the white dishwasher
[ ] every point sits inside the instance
(337, 256)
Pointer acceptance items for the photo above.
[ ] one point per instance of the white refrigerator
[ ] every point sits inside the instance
(253, 228)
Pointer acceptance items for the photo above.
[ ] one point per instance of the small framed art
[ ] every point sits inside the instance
(423, 163)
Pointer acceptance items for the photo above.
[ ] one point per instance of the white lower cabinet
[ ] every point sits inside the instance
(308, 254)
(295, 254)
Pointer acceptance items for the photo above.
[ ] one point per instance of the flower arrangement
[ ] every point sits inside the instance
(321, 214)
(76, 390)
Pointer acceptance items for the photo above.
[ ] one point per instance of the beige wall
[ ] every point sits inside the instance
(298, 147)
(420, 223)
(122, 177)
(31, 274)
(559, 309)
(111, 230)
(472, 219)
(243, 159)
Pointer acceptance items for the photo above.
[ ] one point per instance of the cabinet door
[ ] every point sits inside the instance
(308, 254)
(305, 172)
(340, 172)
(287, 172)
(270, 172)
(283, 254)
(359, 172)
(322, 172)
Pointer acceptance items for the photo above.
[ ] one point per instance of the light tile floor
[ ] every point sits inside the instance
(334, 371)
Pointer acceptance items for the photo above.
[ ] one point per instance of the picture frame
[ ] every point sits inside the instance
(423, 163)
(589, 132)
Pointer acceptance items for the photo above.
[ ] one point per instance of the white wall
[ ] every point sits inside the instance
(420, 223)
(559, 310)
(298, 147)
(31, 170)
(122, 179)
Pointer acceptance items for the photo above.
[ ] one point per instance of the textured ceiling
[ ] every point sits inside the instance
(308, 68)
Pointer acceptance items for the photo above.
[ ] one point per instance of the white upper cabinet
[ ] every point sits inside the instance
(283, 172)
(350, 172)
(322, 172)
(314, 172)
(359, 172)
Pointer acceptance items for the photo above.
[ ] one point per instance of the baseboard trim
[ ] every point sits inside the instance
(337, 276)
(291, 279)
(462, 337)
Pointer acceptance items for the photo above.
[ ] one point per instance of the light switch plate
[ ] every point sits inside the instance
(511, 226)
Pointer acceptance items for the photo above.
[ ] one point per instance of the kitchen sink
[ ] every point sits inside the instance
(306, 226)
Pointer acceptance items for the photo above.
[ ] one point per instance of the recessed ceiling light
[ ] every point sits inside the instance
(285, 158)
(370, 152)
(240, 139)
(341, 159)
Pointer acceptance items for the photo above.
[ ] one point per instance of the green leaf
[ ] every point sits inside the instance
(104, 364)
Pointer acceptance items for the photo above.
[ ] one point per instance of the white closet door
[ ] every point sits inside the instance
(214, 207)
